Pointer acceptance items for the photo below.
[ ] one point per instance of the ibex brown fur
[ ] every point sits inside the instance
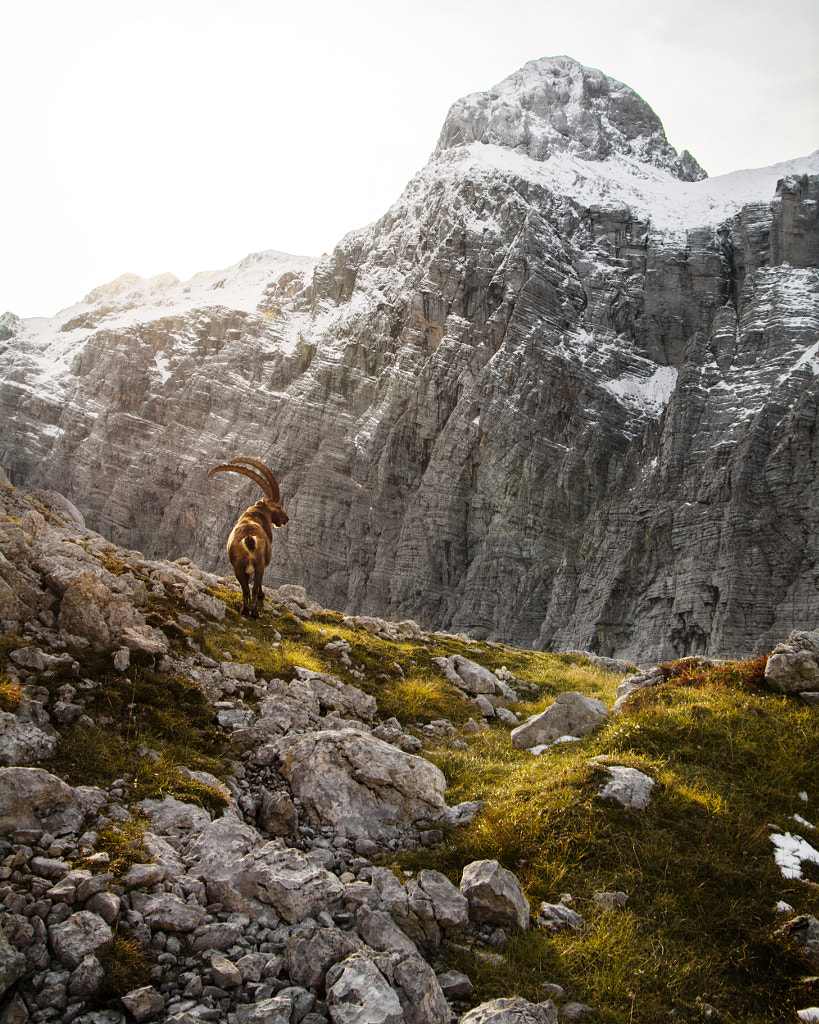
(249, 543)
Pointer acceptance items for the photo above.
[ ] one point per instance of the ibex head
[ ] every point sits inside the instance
(249, 543)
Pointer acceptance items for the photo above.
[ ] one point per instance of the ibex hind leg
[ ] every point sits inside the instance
(244, 583)
(257, 600)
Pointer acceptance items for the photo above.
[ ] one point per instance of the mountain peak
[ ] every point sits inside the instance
(556, 105)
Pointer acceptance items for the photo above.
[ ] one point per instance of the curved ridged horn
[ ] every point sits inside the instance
(274, 484)
(261, 481)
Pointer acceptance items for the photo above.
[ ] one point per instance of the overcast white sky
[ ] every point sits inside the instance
(180, 135)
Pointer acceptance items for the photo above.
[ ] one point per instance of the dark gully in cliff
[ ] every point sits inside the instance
(562, 394)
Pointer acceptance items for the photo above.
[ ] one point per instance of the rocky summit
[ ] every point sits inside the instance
(562, 394)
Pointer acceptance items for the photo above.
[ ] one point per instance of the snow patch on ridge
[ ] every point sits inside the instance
(650, 193)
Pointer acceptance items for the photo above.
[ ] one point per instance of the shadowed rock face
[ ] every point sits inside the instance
(563, 393)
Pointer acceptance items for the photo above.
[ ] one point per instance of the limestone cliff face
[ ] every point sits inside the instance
(563, 393)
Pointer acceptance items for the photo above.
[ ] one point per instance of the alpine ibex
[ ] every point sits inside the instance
(249, 543)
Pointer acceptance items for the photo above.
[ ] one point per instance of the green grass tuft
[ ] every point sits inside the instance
(11, 695)
(127, 967)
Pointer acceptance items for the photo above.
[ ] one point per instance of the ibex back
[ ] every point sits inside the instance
(249, 543)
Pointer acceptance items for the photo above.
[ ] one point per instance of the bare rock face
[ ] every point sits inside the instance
(563, 393)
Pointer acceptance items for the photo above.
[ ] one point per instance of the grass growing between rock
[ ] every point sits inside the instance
(123, 844)
(10, 694)
(127, 967)
(698, 865)
(729, 761)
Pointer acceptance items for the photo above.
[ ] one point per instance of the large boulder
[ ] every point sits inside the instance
(572, 714)
(81, 934)
(361, 786)
(249, 876)
(33, 798)
(793, 666)
(495, 895)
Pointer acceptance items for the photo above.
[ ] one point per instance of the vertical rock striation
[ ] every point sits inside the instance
(563, 393)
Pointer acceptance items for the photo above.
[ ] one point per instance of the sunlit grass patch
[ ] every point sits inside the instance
(123, 844)
(11, 695)
(159, 778)
(422, 697)
(697, 865)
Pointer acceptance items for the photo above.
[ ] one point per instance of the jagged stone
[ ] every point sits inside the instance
(292, 882)
(81, 935)
(87, 977)
(143, 1003)
(379, 931)
(556, 917)
(572, 714)
(277, 814)
(224, 972)
(418, 990)
(361, 785)
(450, 906)
(628, 787)
(169, 913)
(455, 985)
(312, 950)
(358, 993)
(495, 895)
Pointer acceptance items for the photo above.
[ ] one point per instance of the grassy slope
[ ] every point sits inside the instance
(698, 866)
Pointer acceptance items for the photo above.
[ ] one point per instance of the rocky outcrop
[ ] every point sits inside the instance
(563, 393)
